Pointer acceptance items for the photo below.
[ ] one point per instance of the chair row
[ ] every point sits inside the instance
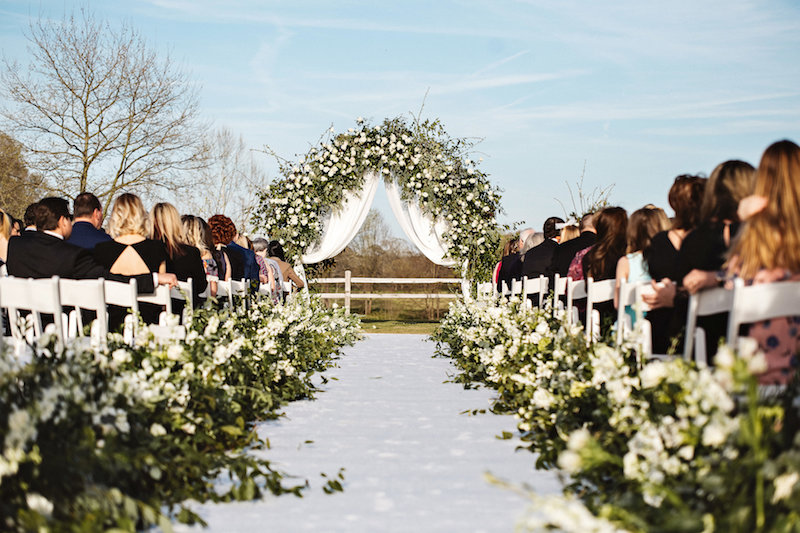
(27, 300)
(745, 305)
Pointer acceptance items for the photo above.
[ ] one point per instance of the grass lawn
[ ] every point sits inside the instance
(371, 325)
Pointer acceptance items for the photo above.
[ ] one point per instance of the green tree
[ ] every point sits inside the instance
(18, 186)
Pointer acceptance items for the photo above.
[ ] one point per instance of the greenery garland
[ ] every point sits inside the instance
(430, 168)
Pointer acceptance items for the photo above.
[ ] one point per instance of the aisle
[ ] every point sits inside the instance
(412, 462)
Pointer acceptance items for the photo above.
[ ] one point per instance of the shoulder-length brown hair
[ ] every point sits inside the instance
(727, 185)
(771, 238)
(643, 224)
(685, 198)
(611, 225)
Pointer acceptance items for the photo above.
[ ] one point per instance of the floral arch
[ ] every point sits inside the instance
(444, 203)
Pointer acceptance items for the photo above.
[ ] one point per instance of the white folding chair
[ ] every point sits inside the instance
(185, 292)
(533, 286)
(239, 290)
(596, 292)
(161, 296)
(39, 296)
(764, 301)
(559, 290)
(576, 290)
(706, 302)
(628, 298)
(124, 295)
(89, 295)
(224, 293)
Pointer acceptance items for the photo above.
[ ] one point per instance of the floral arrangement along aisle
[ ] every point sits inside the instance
(662, 446)
(430, 168)
(111, 438)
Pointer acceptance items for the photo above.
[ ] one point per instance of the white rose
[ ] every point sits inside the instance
(157, 430)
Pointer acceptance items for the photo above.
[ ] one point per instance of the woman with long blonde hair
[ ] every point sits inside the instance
(6, 231)
(768, 250)
(183, 259)
(131, 252)
(195, 232)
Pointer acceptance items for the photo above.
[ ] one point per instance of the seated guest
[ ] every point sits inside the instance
(275, 252)
(223, 231)
(568, 233)
(768, 250)
(705, 248)
(17, 227)
(268, 268)
(196, 233)
(511, 247)
(132, 252)
(536, 260)
(6, 225)
(511, 264)
(643, 224)
(43, 254)
(87, 226)
(183, 259)
(565, 252)
(685, 198)
(29, 218)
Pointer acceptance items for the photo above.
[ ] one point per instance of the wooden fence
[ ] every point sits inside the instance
(349, 295)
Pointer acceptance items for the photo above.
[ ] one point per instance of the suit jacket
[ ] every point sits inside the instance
(249, 261)
(37, 254)
(537, 259)
(565, 253)
(85, 235)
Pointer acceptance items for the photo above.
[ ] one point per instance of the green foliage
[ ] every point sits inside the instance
(122, 437)
(430, 168)
(660, 447)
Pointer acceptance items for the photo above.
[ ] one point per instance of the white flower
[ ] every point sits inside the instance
(578, 439)
(157, 430)
(569, 461)
(189, 428)
(758, 364)
(784, 485)
(40, 504)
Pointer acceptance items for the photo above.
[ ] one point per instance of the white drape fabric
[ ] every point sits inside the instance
(344, 223)
(420, 228)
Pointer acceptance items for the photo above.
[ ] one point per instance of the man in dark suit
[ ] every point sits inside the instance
(86, 227)
(44, 253)
(536, 260)
(565, 252)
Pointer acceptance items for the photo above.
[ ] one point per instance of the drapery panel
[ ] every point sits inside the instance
(345, 222)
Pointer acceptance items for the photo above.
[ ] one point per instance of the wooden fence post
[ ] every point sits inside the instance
(347, 275)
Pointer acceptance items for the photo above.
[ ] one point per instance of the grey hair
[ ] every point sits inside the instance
(260, 244)
(534, 239)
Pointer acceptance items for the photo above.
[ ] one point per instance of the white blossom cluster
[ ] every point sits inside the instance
(426, 165)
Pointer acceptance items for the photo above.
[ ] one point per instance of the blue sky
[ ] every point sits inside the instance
(637, 91)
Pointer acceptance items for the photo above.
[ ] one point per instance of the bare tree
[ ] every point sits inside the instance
(99, 111)
(230, 180)
(18, 186)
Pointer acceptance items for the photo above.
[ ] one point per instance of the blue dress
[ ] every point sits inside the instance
(637, 272)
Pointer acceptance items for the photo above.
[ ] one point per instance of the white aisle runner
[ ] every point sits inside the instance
(412, 462)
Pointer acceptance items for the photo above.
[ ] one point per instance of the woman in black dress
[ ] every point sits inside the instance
(131, 252)
(183, 260)
(685, 198)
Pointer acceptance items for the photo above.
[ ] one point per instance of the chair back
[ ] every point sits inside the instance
(85, 294)
(239, 290)
(597, 292)
(533, 286)
(39, 296)
(559, 290)
(184, 291)
(764, 301)
(124, 295)
(706, 302)
(224, 293)
(161, 296)
(576, 290)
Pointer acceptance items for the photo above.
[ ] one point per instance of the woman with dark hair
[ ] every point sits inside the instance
(275, 252)
(685, 198)
(600, 261)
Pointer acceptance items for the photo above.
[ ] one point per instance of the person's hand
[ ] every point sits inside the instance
(663, 294)
(697, 280)
(770, 275)
(751, 205)
(171, 280)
